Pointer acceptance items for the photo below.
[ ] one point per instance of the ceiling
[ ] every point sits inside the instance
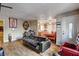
(36, 10)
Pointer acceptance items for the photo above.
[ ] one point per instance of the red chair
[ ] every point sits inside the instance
(69, 50)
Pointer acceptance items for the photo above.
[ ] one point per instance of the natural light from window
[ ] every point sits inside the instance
(70, 30)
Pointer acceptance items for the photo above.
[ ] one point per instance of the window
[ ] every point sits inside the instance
(70, 30)
(42, 28)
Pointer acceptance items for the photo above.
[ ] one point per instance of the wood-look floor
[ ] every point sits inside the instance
(16, 48)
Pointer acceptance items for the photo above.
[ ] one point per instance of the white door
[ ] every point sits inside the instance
(68, 30)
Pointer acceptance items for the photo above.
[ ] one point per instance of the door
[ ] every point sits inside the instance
(1, 31)
(68, 30)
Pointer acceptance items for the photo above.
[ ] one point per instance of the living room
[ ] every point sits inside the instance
(44, 25)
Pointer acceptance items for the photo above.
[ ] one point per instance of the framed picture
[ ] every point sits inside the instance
(12, 22)
(25, 25)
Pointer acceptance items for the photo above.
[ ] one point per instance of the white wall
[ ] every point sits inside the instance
(16, 34)
(33, 25)
(77, 23)
(65, 29)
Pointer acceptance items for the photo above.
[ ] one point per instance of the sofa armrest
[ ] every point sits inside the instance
(44, 45)
(69, 52)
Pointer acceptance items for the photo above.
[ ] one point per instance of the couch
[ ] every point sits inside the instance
(69, 49)
(39, 44)
(51, 36)
(1, 49)
(1, 52)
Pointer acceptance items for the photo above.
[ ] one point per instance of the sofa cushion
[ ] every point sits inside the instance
(69, 45)
(33, 42)
(69, 52)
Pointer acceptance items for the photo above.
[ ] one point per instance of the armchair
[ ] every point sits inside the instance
(69, 50)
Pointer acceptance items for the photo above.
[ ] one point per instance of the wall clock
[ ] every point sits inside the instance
(25, 25)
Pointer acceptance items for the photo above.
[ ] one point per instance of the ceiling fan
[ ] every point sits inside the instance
(5, 6)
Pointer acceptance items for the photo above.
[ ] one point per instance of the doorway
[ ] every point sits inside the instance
(69, 30)
(1, 31)
(47, 28)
